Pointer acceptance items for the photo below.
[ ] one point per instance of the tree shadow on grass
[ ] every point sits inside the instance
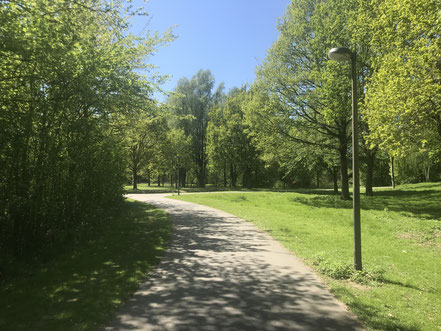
(420, 203)
(80, 289)
(370, 314)
(409, 286)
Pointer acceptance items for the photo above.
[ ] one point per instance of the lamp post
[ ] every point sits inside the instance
(345, 54)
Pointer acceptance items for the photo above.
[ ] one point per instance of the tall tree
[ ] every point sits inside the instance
(298, 162)
(68, 71)
(229, 145)
(146, 138)
(195, 97)
(404, 95)
(179, 151)
(312, 99)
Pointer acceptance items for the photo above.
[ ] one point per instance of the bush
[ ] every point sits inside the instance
(345, 270)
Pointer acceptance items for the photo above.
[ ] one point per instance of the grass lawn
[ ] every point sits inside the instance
(144, 188)
(81, 288)
(401, 242)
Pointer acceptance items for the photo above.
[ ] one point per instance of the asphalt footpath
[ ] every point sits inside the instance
(222, 273)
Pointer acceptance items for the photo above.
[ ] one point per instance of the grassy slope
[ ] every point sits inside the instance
(401, 233)
(81, 288)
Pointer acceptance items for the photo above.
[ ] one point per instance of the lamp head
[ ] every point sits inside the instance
(340, 54)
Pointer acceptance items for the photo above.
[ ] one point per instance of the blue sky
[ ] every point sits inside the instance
(229, 37)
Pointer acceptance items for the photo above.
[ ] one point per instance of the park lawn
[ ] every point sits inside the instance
(154, 188)
(401, 241)
(82, 288)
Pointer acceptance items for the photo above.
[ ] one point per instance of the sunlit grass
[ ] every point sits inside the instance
(401, 234)
(81, 288)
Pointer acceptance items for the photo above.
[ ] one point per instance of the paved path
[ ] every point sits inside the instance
(222, 273)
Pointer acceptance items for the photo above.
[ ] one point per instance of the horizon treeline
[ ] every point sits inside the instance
(292, 126)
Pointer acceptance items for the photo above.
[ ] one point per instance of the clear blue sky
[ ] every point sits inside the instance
(229, 37)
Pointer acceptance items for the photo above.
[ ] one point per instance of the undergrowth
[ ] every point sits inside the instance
(345, 270)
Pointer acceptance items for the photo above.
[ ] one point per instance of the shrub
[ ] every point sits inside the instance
(345, 270)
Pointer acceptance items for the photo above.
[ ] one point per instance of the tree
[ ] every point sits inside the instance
(403, 98)
(69, 71)
(229, 145)
(298, 162)
(195, 98)
(147, 138)
(179, 153)
(312, 101)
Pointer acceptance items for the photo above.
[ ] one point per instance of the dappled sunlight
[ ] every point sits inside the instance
(89, 285)
(370, 311)
(402, 243)
(423, 203)
(223, 273)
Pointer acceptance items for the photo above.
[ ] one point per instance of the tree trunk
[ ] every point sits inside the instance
(200, 181)
(335, 179)
(159, 180)
(225, 173)
(318, 179)
(201, 167)
(135, 178)
(182, 177)
(178, 178)
(392, 171)
(148, 177)
(370, 160)
(246, 178)
(233, 176)
(201, 176)
(344, 171)
(427, 173)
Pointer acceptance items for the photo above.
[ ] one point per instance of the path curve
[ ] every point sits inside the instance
(222, 273)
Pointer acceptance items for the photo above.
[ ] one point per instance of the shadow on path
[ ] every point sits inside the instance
(222, 273)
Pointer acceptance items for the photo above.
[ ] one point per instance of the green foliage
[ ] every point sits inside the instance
(417, 167)
(69, 74)
(403, 99)
(336, 270)
(345, 270)
(301, 99)
(229, 145)
(191, 103)
(308, 102)
(146, 140)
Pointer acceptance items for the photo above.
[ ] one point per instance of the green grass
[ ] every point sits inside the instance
(81, 288)
(401, 235)
(144, 188)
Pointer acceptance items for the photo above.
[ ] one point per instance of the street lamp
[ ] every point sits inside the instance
(345, 54)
